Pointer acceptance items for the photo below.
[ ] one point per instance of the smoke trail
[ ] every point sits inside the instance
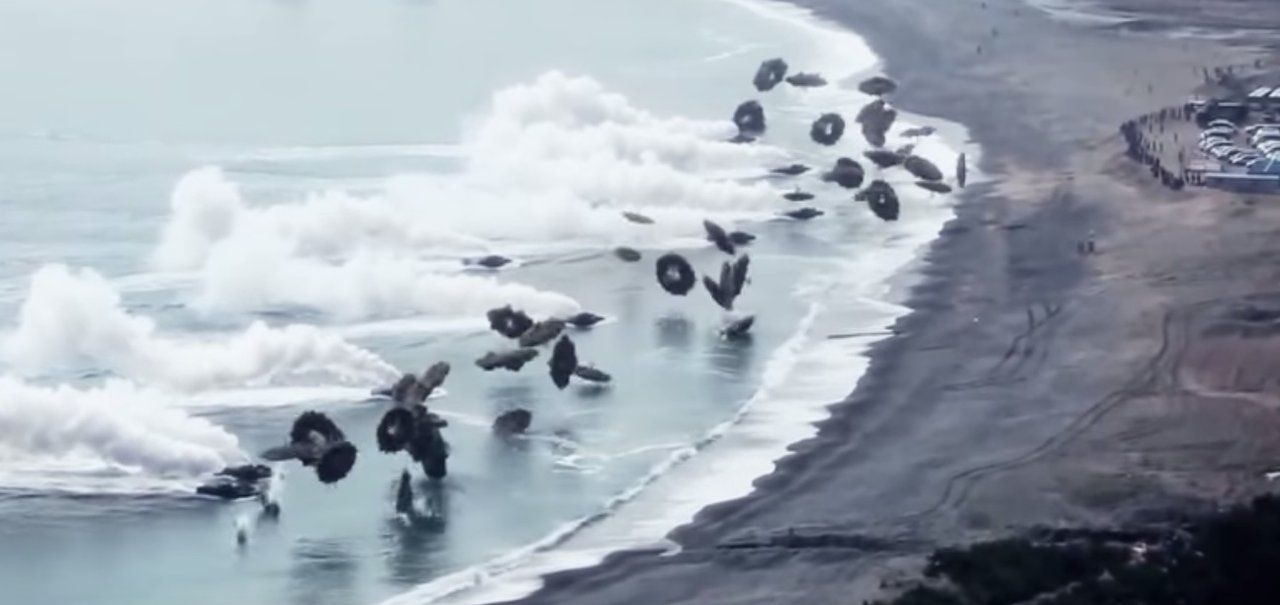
(74, 317)
(117, 427)
(550, 161)
(250, 276)
(571, 134)
(204, 209)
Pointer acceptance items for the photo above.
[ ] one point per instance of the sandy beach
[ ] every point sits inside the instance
(1031, 384)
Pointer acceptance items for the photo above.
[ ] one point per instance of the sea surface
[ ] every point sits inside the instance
(218, 214)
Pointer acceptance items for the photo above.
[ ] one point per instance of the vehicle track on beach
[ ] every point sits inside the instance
(1180, 383)
(1029, 345)
(1157, 374)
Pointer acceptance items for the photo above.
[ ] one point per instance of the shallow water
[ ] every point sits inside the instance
(361, 152)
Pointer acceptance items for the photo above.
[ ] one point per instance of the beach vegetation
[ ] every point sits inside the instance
(1229, 556)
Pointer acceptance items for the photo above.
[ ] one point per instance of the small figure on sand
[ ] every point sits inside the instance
(1087, 246)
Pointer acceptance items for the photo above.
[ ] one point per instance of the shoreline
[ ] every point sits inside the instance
(766, 426)
(945, 440)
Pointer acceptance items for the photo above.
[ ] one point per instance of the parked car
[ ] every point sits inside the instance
(1221, 152)
(1222, 123)
(1269, 146)
(1243, 158)
(1253, 128)
(1264, 135)
(1217, 132)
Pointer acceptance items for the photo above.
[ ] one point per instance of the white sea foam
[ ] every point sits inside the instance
(456, 584)
(536, 178)
(834, 51)
(75, 317)
(804, 376)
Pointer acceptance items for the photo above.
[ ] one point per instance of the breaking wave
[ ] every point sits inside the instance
(73, 317)
(778, 369)
(115, 430)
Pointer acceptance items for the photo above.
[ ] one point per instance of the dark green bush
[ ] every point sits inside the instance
(1232, 557)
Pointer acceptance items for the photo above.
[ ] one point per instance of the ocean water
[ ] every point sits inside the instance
(219, 214)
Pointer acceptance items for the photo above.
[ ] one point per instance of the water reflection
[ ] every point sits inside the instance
(268, 515)
(322, 572)
(435, 501)
(630, 311)
(799, 240)
(674, 332)
(22, 510)
(593, 391)
(732, 358)
(508, 458)
(507, 454)
(412, 539)
(507, 397)
(413, 546)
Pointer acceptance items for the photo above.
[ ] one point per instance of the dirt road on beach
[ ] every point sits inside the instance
(1031, 384)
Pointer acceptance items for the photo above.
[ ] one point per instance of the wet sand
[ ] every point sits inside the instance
(1031, 384)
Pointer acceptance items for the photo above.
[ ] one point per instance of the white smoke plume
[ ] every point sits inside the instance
(117, 427)
(571, 134)
(75, 317)
(248, 275)
(549, 161)
(204, 208)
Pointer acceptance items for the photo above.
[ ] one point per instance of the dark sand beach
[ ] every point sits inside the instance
(1031, 384)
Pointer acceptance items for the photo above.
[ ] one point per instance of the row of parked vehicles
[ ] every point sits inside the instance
(1218, 141)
